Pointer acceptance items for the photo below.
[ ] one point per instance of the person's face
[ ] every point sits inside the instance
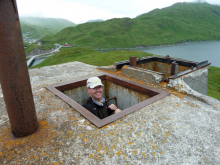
(95, 93)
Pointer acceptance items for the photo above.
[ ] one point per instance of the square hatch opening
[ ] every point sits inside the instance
(128, 95)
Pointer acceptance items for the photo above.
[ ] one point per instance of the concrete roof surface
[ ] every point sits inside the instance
(177, 129)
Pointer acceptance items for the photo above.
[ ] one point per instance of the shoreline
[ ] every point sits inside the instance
(152, 46)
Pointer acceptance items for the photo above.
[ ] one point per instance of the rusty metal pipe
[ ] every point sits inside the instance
(174, 68)
(14, 77)
(133, 61)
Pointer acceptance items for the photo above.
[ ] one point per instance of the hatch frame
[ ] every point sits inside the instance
(155, 94)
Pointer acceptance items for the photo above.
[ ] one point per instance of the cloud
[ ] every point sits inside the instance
(84, 10)
(74, 11)
(216, 2)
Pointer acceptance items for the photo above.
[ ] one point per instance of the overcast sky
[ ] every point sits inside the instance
(80, 11)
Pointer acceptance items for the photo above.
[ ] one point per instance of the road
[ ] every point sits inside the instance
(29, 62)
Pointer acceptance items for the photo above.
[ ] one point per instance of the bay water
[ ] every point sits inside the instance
(37, 61)
(195, 51)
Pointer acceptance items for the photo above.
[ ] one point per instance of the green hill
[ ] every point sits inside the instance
(214, 82)
(35, 27)
(89, 56)
(181, 22)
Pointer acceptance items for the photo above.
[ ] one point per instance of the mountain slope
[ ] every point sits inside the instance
(178, 23)
(35, 27)
(89, 56)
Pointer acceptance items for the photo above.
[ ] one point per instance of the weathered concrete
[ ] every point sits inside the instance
(146, 76)
(125, 97)
(108, 68)
(80, 94)
(198, 80)
(177, 129)
(193, 83)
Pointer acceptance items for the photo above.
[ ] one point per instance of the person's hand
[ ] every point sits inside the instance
(114, 108)
(117, 110)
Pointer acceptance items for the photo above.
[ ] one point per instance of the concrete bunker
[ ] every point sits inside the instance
(130, 96)
(155, 69)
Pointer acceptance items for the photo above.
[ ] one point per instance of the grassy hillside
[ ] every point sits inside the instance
(30, 47)
(179, 23)
(89, 56)
(214, 82)
(35, 27)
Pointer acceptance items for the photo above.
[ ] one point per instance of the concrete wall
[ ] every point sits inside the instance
(80, 94)
(198, 80)
(149, 65)
(146, 76)
(125, 97)
(162, 67)
(108, 68)
(195, 81)
(182, 68)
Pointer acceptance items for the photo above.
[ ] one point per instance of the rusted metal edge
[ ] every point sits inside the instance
(187, 72)
(136, 86)
(133, 108)
(201, 64)
(94, 119)
(179, 61)
(80, 82)
(169, 60)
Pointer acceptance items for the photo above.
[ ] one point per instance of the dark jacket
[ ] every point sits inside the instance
(99, 111)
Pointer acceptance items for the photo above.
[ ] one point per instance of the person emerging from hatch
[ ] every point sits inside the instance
(96, 103)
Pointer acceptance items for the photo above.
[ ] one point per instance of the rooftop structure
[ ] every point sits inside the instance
(176, 72)
(176, 129)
